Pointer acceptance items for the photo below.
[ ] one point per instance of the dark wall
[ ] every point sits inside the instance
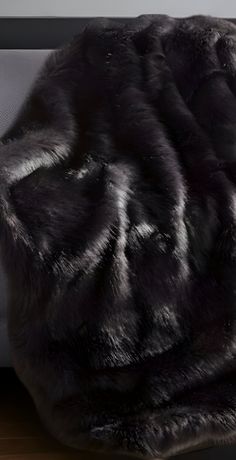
(42, 33)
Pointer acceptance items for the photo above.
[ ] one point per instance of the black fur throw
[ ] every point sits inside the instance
(118, 235)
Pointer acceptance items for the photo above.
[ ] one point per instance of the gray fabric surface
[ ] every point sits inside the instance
(18, 70)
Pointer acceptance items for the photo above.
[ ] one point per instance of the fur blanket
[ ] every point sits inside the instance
(118, 235)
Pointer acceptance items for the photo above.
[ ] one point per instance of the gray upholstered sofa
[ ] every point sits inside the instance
(24, 45)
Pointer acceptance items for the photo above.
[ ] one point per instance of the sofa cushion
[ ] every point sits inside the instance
(18, 70)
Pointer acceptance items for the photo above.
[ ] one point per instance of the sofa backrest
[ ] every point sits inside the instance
(18, 70)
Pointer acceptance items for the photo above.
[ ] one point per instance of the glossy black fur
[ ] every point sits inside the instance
(118, 234)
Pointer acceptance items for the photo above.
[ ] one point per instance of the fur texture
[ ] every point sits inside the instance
(118, 235)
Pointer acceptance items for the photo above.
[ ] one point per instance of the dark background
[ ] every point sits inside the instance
(42, 33)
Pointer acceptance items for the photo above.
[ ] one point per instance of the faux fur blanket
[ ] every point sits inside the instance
(118, 234)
